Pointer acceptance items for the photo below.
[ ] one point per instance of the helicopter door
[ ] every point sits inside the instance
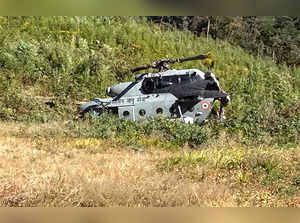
(127, 112)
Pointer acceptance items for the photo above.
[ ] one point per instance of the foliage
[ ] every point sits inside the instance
(250, 159)
(275, 36)
(79, 164)
(170, 132)
(266, 167)
(76, 58)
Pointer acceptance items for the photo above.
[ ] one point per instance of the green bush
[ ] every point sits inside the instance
(18, 107)
(76, 58)
(131, 133)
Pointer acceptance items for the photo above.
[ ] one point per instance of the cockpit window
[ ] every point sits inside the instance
(184, 78)
(180, 79)
(150, 84)
(173, 79)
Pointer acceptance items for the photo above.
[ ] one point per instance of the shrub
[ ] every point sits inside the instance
(75, 58)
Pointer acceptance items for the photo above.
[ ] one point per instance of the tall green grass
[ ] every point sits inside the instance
(75, 58)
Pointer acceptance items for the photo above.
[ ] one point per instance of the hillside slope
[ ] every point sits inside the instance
(254, 155)
(79, 57)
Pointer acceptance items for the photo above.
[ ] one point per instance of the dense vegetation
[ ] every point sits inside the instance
(77, 58)
(277, 37)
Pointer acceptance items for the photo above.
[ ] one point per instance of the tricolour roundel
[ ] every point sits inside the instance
(205, 105)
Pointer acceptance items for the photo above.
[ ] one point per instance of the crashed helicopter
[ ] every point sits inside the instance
(187, 95)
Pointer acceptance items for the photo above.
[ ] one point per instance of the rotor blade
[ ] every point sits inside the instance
(178, 60)
(141, 68)
(199, 57)
(184, 59)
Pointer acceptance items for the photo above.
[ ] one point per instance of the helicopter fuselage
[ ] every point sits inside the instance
(163, 93)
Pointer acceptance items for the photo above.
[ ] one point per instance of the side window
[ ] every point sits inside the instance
(166, 81)
(184, 78)
(172, 79)
(195, 77)
(148, 85)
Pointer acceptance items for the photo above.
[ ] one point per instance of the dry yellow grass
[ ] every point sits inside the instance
(61, 172)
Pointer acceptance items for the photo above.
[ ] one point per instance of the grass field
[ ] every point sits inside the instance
(49, 159)
(38, 170)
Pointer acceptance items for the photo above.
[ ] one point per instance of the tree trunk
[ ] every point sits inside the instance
(208, 26)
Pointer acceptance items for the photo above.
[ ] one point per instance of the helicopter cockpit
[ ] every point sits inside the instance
(154, 84)
(166, 83)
